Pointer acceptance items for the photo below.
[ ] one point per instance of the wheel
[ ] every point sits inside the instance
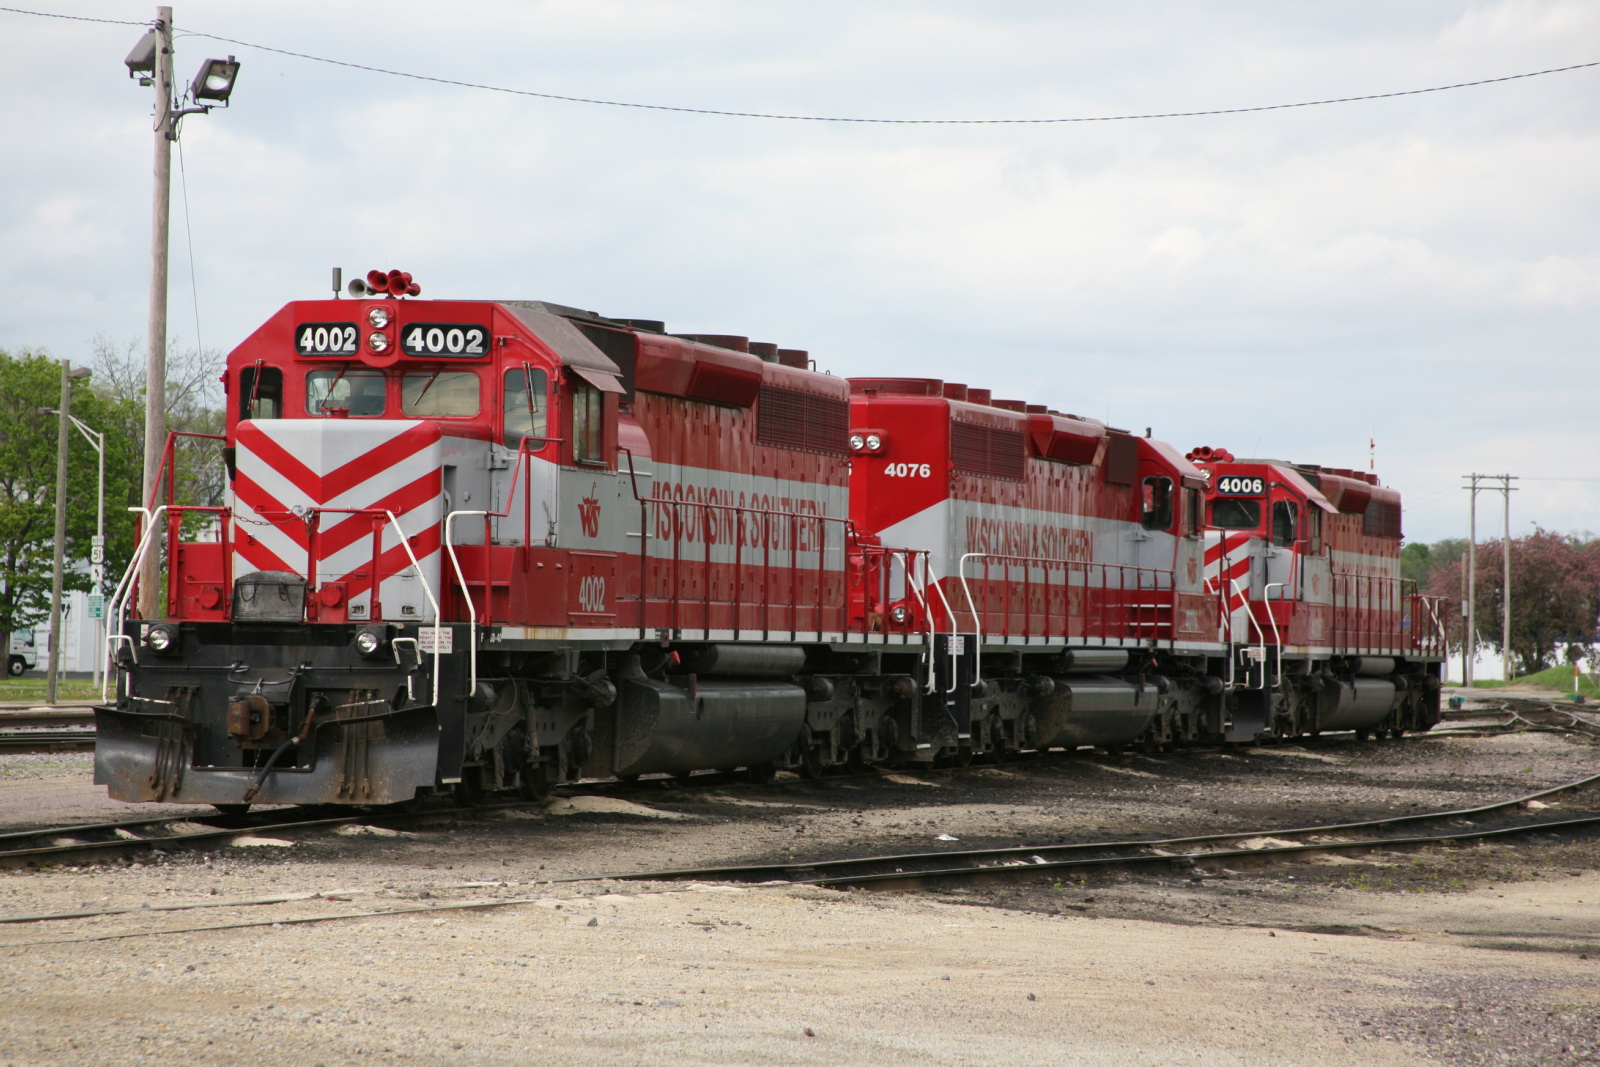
(1363, 735)
(761, 773)
(533, 782)
(15, 667)
(230, 809)
(811, 762)
(469, 791)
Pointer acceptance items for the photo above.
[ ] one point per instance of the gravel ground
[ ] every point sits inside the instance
(1468, 955)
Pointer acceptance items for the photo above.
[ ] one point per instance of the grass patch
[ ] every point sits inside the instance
(33, 689)
(1558, 679)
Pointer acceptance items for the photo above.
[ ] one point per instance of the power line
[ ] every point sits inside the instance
(891, 122)
(71, 18)
(828, 118)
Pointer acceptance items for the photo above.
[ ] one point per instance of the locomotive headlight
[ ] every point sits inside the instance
(160, 638)
(379, 317)
(898, 613)
(857, 442)
(369, 642)
(874, 442)
(378, 342)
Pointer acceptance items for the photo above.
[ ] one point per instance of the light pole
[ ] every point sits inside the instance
(151, 62)
(97, 551)
(52, 673)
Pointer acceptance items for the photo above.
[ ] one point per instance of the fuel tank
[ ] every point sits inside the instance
(1355, 705)
(1096, 710)
(721, 723)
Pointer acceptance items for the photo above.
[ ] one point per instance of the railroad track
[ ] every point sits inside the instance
(97, 842)
(100, 841)
(913, 870)
(37, 739)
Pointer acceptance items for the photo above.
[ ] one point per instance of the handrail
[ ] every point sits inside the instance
(1277, 639)
(377, 579)
(1068, 566)
(124, 591)
(1250, 618)
(433, 602)
(466, 595)
(703, 509)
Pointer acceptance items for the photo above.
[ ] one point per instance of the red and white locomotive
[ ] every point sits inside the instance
(472, 546)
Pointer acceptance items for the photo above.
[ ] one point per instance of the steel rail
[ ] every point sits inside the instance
(865, 869)
(33, 739)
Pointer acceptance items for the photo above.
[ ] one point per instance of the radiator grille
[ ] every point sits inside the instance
(1382, 519)
(987, 450)
(788, 418)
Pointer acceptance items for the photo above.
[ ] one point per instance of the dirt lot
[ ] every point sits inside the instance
(1469, 955)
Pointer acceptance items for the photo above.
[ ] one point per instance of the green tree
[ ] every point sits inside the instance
(1418, 561)
(31, 380)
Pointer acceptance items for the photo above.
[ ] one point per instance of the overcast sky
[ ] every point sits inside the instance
(1425, 269)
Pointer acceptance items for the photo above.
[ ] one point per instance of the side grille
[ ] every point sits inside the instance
(987, 450)
(789, 418)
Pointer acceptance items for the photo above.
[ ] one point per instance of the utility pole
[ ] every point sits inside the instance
(52, 672)
(1505, 585)
(155, 367)
(1471, 642)
(151, 62)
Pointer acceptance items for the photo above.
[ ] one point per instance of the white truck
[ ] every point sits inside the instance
(23, 656)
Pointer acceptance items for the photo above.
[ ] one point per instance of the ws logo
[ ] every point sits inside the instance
(589, 511)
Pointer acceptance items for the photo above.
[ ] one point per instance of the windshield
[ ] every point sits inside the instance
(360, 392)
(439, 393)
(1231, 514)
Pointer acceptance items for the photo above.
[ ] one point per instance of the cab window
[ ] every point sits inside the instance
(357, 392)
(260, 393)
(1157, 503)
(588, 424)
(432, 394)
(1285, 522)
(524, 407)
(1229, 513)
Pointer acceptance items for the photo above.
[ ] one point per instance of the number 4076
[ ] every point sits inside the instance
(908, 470)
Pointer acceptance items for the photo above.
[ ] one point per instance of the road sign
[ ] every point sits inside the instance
(97, 606)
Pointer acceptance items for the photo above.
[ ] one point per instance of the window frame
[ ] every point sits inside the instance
(352, 375)
(1155, 501)
(1238, 501)
(525, 373)
(435, 376)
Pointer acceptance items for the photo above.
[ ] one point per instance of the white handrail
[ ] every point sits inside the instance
(1277, 641)
(432, 601)
(472, 611)
(119, 601)
(1250, 618)
(977, 619)
(922, 602)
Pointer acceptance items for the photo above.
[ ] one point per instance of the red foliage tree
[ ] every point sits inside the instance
(1555, 596)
